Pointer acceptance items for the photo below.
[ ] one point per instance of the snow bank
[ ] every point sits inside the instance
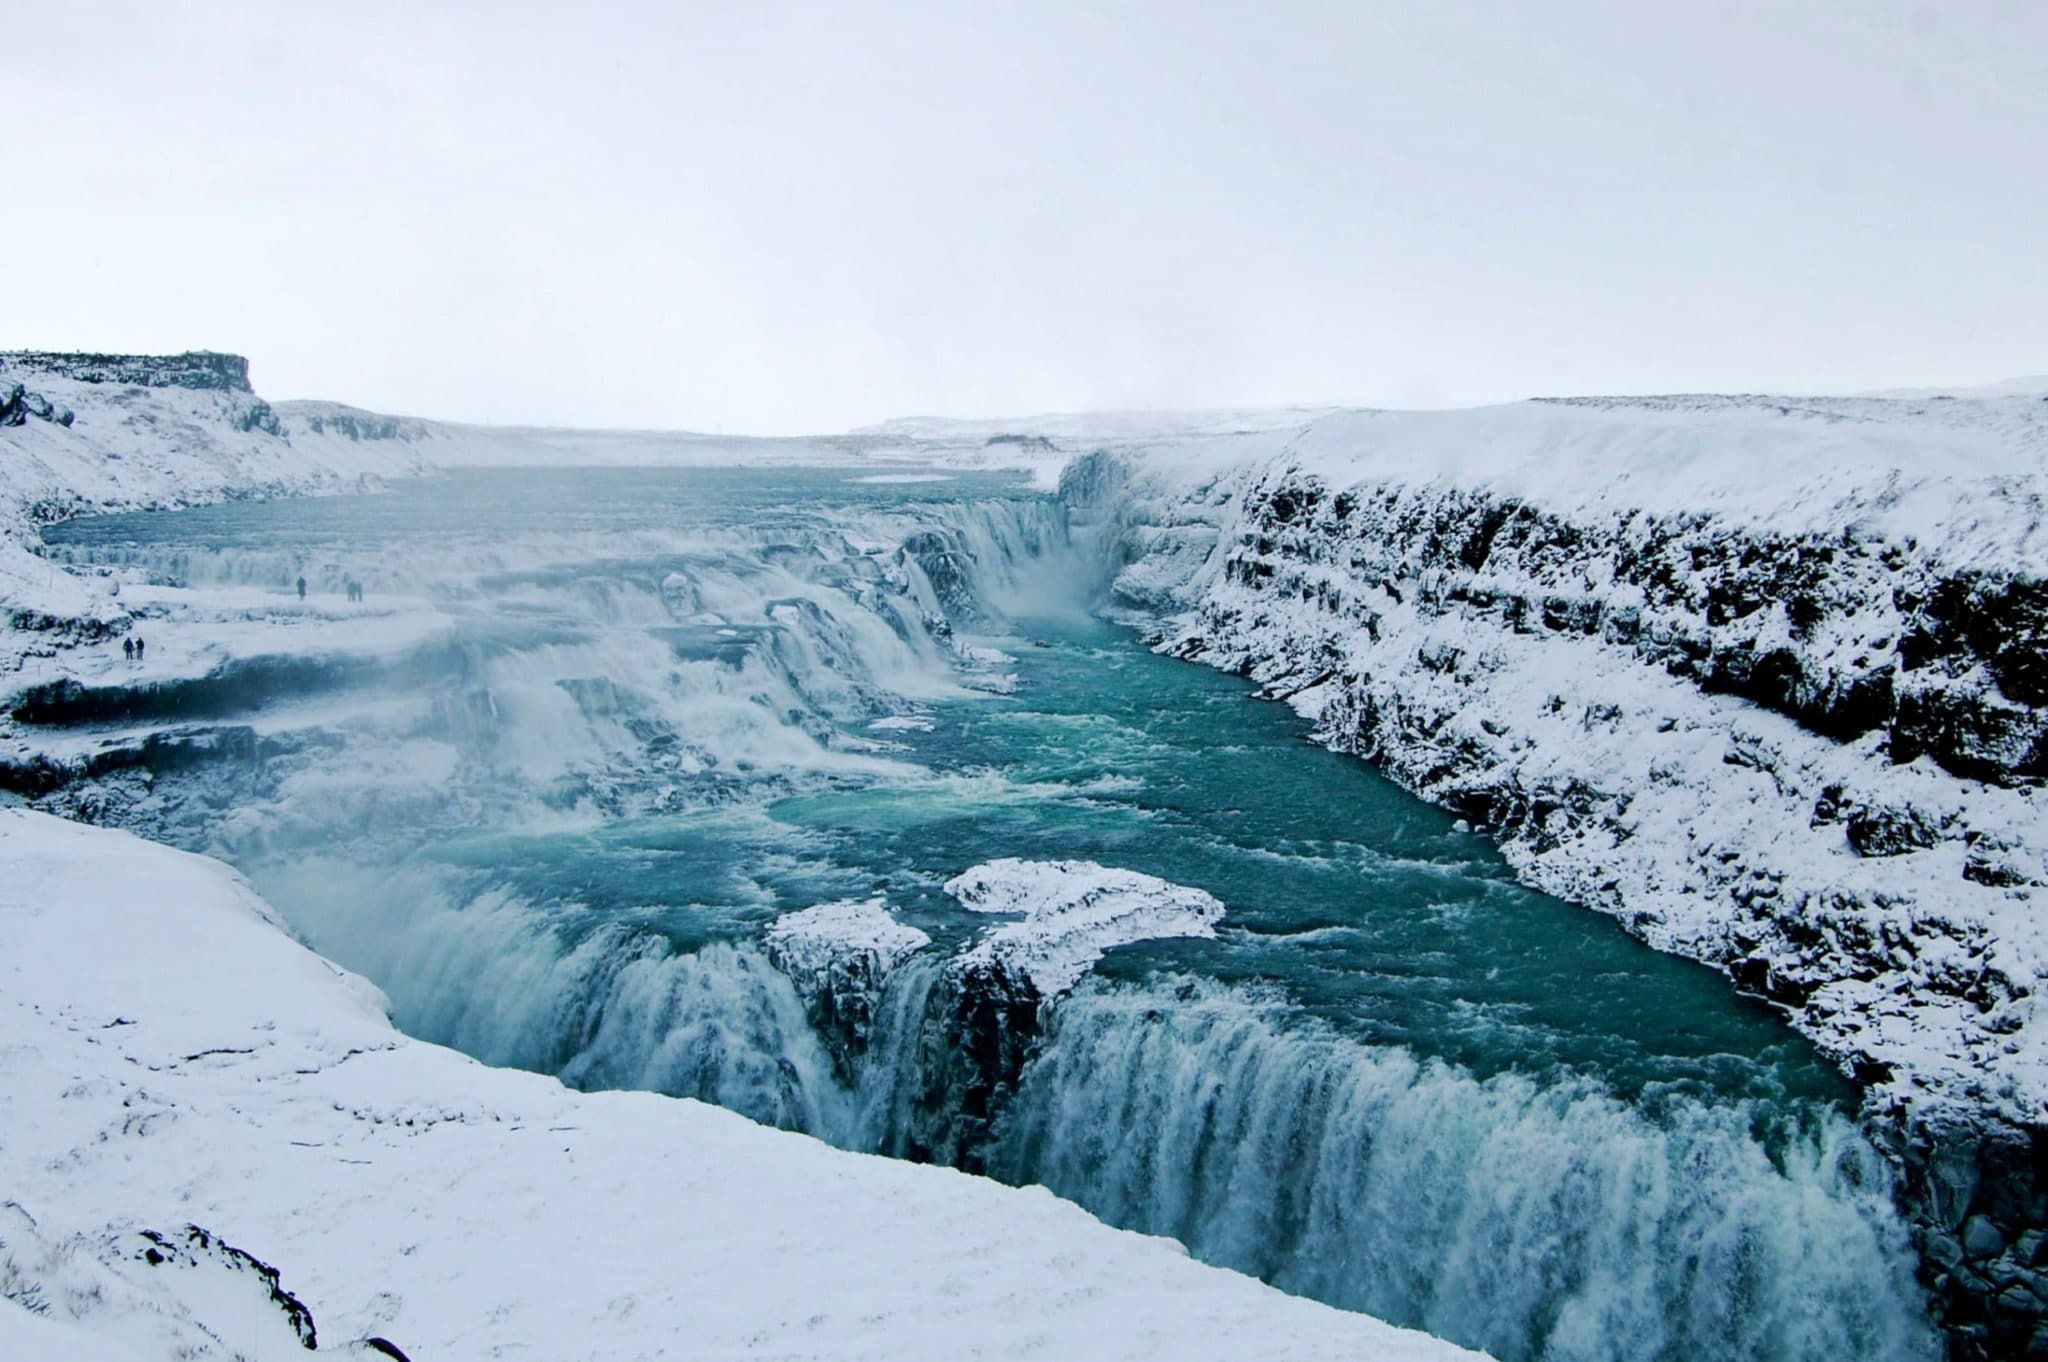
(1073, 912)
(170, 1058)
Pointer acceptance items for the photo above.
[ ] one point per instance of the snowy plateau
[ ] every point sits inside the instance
(1765, 679)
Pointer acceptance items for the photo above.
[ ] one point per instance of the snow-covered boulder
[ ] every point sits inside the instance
(840, 955)
(1071, 912)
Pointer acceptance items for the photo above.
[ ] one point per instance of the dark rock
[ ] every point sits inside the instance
(201, 369)
(1943, 1250)
(949, 566)
(197, 1243)
(1891, 830)
(257, 416)
(1994, 861)
(358, 425)
(2017, 1300)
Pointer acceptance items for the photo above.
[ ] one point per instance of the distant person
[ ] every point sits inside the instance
(302, 588)
(128, 648)
(139, 646)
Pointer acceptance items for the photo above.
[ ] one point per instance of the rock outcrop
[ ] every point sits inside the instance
(203, 370)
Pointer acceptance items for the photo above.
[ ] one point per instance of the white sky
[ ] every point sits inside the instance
(780, 217)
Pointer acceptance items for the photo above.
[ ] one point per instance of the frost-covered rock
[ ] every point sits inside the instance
(832, 938)
(840, 955)
(1072, 911)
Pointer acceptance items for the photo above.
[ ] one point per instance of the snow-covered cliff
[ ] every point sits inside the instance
(82, 433)
(213, 1144)
(1767, 679)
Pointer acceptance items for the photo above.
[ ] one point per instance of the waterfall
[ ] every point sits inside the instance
(476, 967)
(1531, 1219)
(1536, 1219)
(701, 671)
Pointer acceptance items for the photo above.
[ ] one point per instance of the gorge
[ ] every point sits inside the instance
(712, 781)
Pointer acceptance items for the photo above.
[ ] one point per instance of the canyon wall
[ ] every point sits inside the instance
(1763, 680)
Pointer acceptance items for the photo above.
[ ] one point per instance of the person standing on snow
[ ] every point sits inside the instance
(128, 648)
(302, 588)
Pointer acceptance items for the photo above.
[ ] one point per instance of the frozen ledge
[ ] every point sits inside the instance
(169, 1058)
(1073, 912)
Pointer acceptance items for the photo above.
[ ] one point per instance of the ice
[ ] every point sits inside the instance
(817, 940)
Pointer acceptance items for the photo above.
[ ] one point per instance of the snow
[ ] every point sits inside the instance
(1963, 479)
(132, 447)
(1073, 911)
(1093, 427)
(170, 1057)
(812, 941)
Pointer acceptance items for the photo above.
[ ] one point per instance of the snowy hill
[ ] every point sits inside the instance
(216, 1146)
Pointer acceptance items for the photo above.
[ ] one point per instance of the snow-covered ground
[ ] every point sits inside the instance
(170, 1058)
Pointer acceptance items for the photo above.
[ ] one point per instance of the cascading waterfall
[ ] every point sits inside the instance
(605, 1007)
(450, 842)
(1531, 1219)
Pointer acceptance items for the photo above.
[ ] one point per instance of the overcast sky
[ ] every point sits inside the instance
(780, 217)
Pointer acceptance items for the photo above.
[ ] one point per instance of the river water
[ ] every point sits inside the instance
(1398, 1081)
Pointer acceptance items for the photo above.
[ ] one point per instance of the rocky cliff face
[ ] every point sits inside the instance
(1803, 746)
(202, 370)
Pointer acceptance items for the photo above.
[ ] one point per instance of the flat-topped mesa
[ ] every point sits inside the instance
(206, 370)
